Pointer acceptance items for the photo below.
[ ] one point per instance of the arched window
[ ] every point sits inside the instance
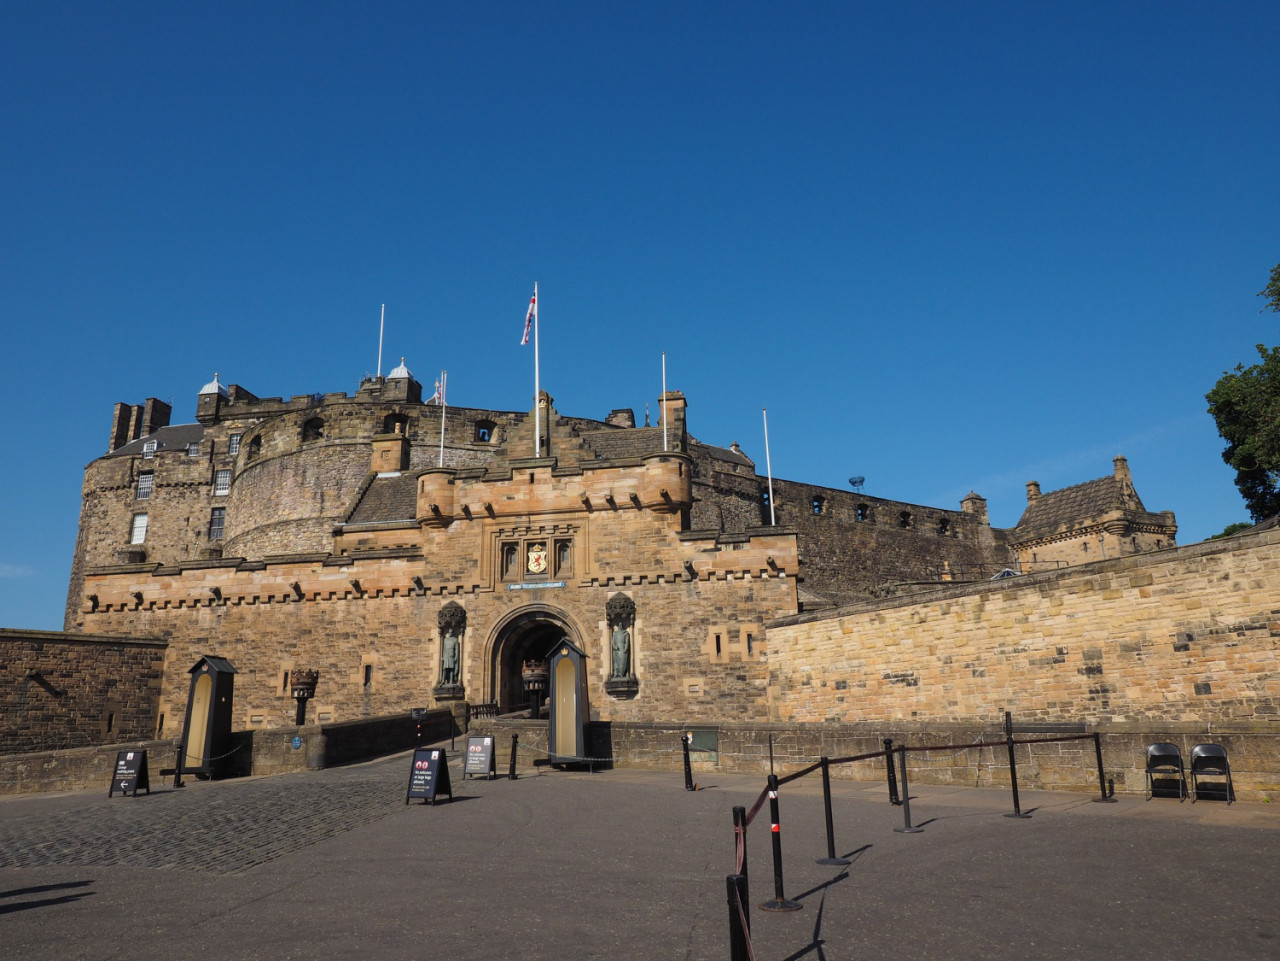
(944, 526)
(862, 513)
(313, 429)
(395, 424)
(817, 504)
(484, 431)
(254, 447)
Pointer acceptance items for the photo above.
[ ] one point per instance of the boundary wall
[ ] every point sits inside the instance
(1186, 636)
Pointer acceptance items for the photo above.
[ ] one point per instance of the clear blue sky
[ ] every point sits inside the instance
(950, 246)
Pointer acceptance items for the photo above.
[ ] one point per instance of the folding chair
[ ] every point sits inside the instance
(1210, 759)
(1165, 759)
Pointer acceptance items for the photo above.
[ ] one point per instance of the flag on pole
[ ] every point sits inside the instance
(529, 317)
(438, 396)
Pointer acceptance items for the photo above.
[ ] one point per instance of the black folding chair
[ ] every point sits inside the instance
(1165, 760)
(1211, 760)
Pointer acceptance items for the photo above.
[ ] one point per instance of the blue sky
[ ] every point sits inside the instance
(949, 246)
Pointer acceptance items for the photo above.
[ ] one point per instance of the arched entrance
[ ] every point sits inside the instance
(529, 635)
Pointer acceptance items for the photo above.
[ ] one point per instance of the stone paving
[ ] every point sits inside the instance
(563, 866)
(222, 828)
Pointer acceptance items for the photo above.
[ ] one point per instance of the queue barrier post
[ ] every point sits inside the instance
(906, 796)
(888, 767)
(739, 924)
(740, 838)
(1013, 767)
(831, 833)
(779, 901)
(1102, 777)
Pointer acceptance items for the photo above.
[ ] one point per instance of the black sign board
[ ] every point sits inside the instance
(429, 777)
(130, 774)
(480, 756)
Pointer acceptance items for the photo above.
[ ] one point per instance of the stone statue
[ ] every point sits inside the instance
(449, 659)
(621, 646)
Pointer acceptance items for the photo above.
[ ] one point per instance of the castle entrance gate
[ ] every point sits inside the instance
(530, 634)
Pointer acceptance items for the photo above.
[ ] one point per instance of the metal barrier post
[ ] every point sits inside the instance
(740, 837)
(739, 932)
(1102, 777)
(831, 832)
(1013, 767)
(688, 770)
(515, 741)
(888, 767)
(906, 797)
(779, 902)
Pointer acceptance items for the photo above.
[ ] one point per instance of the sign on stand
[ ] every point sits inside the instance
(130, 774)
(480, 757)
(430, 776)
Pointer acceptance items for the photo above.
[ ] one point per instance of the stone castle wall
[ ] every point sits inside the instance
(1189, 635)
(62, 691)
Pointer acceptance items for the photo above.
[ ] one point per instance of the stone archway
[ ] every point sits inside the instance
(529, 634)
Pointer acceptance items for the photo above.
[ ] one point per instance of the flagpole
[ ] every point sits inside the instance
(664, 400)
(768, 465)
(537, 387)
(381, 324)
(444, 381)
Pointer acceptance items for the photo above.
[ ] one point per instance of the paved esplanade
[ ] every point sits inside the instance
(624, 864)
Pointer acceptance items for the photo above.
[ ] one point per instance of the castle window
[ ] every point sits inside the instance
(233, 444)
(193, 450)
(255, 447)
(145, 484)
(510, 560)
(313, 429)
(564, 558)
(138, 532)
(862, 513)
(944, 526)
(221, 483)
(817, 504)
(217, 521)
(484, 431)
(904, 519)
(395, 424)
(149, 449)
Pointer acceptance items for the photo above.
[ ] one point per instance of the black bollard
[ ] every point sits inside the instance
(1102, 777)
(739, 921)
(740, 837)
(831, 831)
(688, 770)
(515, 742)
(1013, 767)
(779, 902)
(906, 797)
(888, 767)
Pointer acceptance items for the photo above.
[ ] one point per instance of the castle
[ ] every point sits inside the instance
(420, 555)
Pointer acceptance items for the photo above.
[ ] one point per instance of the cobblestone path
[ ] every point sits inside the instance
(222, 828)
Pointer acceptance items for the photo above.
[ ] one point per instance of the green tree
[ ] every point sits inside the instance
(1272, 290)
(1245, 403)
(1230, 529)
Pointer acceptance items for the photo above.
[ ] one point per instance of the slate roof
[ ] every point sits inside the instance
(176, 437)
(387, 499)
(1077, 504)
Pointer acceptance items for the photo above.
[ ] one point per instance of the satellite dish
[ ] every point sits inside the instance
(857, 482)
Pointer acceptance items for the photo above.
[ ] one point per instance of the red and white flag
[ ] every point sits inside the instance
(530, 316)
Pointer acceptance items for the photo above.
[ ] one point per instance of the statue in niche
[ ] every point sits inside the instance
(621, 647)
(452, 621)
(449, 648)
(620, 612)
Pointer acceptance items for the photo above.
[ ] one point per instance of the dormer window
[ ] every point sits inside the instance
(149, 449)
(193, 450)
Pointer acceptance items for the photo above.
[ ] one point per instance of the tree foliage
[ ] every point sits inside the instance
(1230, 529)
(1272, 290)
(1245, 403)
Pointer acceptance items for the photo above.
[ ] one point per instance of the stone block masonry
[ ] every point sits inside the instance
(1185, 636)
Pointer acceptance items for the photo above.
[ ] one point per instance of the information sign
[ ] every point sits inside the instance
(429, 777)
(480, 757)
(130, 774)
